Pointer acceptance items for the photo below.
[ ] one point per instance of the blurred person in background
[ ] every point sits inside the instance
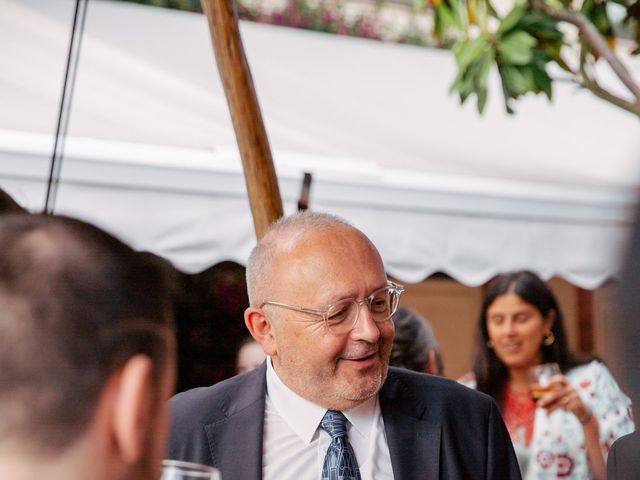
(86, 354)
(250, 355)
(8, 204)
(414, 345)
(567, 431)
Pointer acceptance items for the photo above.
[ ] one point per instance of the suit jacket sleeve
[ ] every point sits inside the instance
(501, 461)
(623, 462)
(612, 463)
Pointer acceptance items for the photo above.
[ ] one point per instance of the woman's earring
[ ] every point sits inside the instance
(549, 338)
(489, 344)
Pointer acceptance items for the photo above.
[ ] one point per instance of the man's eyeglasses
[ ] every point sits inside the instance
(340, 317)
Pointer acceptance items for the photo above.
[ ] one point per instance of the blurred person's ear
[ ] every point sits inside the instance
(261, 329)
(432, 364)
(133, 407)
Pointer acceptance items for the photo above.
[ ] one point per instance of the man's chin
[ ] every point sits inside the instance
(362, 389)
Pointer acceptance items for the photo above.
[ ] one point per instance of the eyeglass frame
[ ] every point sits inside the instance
(391, 286)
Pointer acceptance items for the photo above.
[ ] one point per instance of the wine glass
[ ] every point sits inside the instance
(177, 470)
(540, 378)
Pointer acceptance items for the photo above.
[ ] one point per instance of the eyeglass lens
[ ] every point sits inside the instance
(343, 315)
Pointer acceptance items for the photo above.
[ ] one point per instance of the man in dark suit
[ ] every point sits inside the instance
(623, 462)
(325, 404)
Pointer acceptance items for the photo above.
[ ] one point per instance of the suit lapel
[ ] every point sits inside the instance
(235, 441)
(414, 444)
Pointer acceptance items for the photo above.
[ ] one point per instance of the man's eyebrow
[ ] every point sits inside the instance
(355, 296)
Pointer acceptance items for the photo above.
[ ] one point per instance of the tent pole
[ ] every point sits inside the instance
(259, 172)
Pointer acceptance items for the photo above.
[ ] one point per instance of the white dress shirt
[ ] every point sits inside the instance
(294, 445)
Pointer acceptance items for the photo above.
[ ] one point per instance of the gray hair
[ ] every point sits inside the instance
(261, 258)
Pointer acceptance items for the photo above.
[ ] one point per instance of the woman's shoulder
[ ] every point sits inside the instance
(593, 368)
(595, 376)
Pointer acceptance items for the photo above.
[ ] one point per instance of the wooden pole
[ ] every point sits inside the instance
(585, 321)
(259, 172)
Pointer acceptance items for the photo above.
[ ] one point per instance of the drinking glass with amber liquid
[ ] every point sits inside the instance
(540, 379)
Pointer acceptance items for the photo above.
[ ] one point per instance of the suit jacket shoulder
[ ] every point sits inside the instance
(221, 425)
(623, 462)
(437, 428)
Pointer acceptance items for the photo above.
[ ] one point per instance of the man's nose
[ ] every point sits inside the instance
(365, 328)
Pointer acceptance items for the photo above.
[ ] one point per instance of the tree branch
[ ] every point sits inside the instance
(600, 48)
(595, 88)
(598, 91)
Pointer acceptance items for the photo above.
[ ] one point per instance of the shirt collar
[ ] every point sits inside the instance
(304, 416)
(362, 416)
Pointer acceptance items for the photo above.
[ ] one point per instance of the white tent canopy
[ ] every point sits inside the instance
(151, 153)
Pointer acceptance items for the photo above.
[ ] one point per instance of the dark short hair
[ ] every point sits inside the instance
(490, 373)
(412, 342)
(75, 305)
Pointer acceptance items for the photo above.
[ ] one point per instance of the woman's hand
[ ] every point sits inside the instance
(566, 397)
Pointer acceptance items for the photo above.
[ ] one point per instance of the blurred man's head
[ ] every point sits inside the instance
(86, 353)
(250, 356)
(320, 306)
(415, 346)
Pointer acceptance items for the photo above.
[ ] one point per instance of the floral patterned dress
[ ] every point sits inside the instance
(554, 447)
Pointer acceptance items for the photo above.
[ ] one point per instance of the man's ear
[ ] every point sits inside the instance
(261, 329)
(133, 407)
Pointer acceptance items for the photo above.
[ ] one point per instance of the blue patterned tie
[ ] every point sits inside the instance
(340, 462)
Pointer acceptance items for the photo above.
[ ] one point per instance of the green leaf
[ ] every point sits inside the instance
(586, 7)
(540, 25)
(446, 18)
(484, 67)
(600, 19)
(482, 100)
(510, 21)
(468, 51)
(476, 56)
(517, 80)
(516, 48)
(466, 89)
(462, 82)
(459, 11)
(542, 81)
